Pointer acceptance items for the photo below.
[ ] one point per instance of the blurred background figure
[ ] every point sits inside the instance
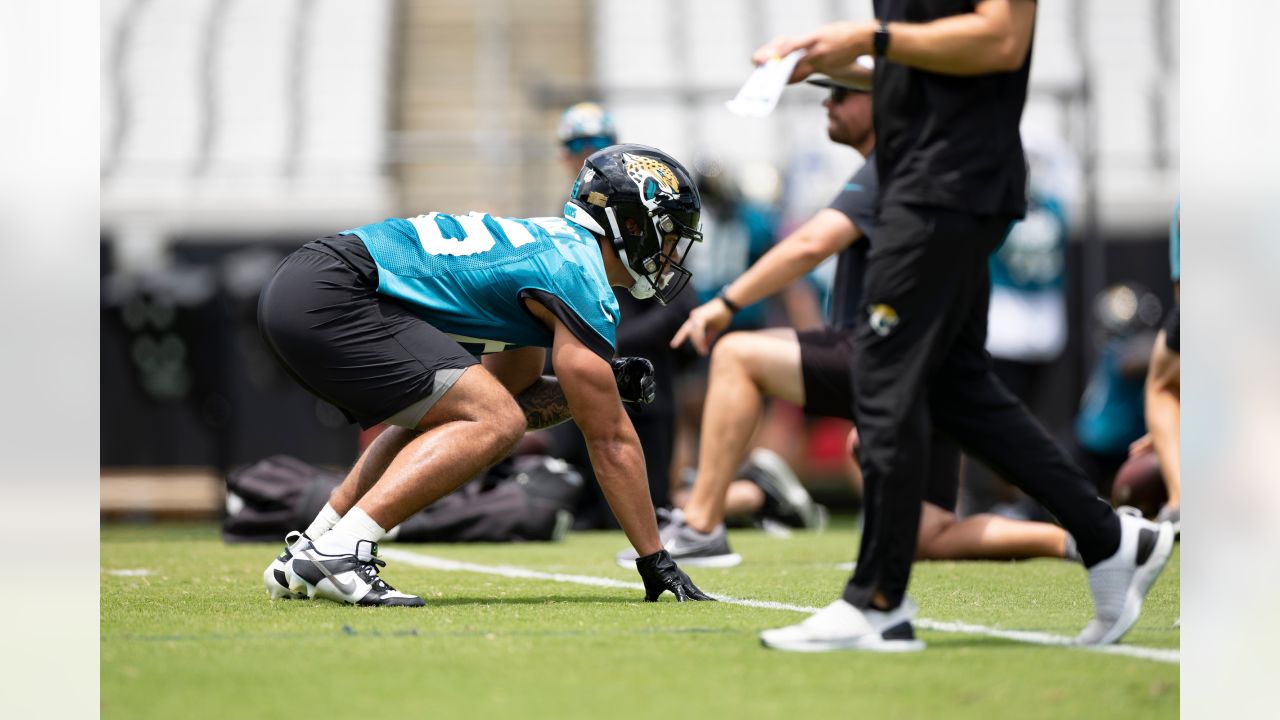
(1111, 409)
(744, 231)
(584, 128)
(1164, 389)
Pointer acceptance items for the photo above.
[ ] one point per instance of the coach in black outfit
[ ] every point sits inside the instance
(950, 83)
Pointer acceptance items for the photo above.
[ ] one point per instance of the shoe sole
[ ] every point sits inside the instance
(1143, 578)
(297, 585)
(275, 589)
(864, 644)
(278, 593)
(712, 561)
(792, 489)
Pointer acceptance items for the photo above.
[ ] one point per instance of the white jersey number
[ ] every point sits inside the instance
(476, 237)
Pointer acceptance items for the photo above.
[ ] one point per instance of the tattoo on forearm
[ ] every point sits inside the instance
(543, 404)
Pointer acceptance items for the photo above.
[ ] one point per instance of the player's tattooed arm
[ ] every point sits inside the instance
(543, 403)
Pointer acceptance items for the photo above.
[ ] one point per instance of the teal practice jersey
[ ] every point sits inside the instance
(468, 275)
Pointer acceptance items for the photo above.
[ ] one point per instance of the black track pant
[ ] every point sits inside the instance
(919, 363)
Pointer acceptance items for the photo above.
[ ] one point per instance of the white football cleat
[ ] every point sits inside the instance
(351, 579)
(841, 626)
(1120, 583)
(274, 578)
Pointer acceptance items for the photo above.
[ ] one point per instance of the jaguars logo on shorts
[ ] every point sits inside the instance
(651, 176)
(883, 319)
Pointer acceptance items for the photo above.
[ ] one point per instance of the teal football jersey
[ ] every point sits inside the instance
(468, 275)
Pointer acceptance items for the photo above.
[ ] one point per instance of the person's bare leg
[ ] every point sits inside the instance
(473, 425)
(985, 537)
(370, 466)
(745, 366)
(853, 468)
(1164, 414)
(743, 499)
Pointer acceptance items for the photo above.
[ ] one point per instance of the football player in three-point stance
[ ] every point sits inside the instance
(438, 325)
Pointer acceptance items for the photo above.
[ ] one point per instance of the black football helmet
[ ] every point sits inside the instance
(647, 205)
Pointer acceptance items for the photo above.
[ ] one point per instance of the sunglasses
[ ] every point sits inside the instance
(587, 144)
(838, 94)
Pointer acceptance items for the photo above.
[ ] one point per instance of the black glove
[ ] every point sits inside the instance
(661, 573)
(634, 376)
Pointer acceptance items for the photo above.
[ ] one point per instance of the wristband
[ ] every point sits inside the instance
(733, 307)
(881, 39)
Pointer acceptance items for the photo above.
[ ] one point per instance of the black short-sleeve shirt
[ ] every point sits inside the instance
(857, 200)
(945, 140)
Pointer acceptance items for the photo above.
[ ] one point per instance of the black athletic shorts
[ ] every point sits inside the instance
(1172, 333)
(371, 356)
(828, 392)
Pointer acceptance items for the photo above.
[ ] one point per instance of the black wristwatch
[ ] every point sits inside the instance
(881, 39)
(733, 307)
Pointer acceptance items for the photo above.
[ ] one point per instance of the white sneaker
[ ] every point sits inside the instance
(841, 626)
(1120, 583)
(274, 576)
(351, 579)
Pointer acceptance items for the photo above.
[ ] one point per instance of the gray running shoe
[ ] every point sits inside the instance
(687, 546)
(786, 499)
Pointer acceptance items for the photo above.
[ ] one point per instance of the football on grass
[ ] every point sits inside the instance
(1139, 483)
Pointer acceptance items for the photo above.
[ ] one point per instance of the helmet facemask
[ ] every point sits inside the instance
(653, 246)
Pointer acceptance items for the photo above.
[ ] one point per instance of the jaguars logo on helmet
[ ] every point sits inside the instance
(646, 203)
(651, 177)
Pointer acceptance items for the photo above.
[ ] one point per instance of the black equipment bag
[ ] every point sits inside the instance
(520, 499)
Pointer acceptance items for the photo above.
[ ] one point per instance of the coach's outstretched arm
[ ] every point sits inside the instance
(823, 235)
(995, 37)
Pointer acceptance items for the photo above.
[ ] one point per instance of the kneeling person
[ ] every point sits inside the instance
(387, 321)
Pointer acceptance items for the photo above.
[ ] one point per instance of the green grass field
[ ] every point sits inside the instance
(196, 637)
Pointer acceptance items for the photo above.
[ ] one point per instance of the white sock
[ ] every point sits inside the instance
(323, 523)
(355, 526)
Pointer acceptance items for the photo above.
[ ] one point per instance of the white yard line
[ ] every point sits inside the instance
(1025, 636)
(137, 572)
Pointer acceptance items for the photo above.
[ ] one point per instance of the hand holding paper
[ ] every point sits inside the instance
(760, 93)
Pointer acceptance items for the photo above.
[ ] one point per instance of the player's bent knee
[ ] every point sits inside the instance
(733, 351)
(499, 413)
(509, 424)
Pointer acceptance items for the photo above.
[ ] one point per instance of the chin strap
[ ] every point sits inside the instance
(641, 288)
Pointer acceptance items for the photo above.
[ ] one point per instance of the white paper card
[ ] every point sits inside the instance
(760, 93)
